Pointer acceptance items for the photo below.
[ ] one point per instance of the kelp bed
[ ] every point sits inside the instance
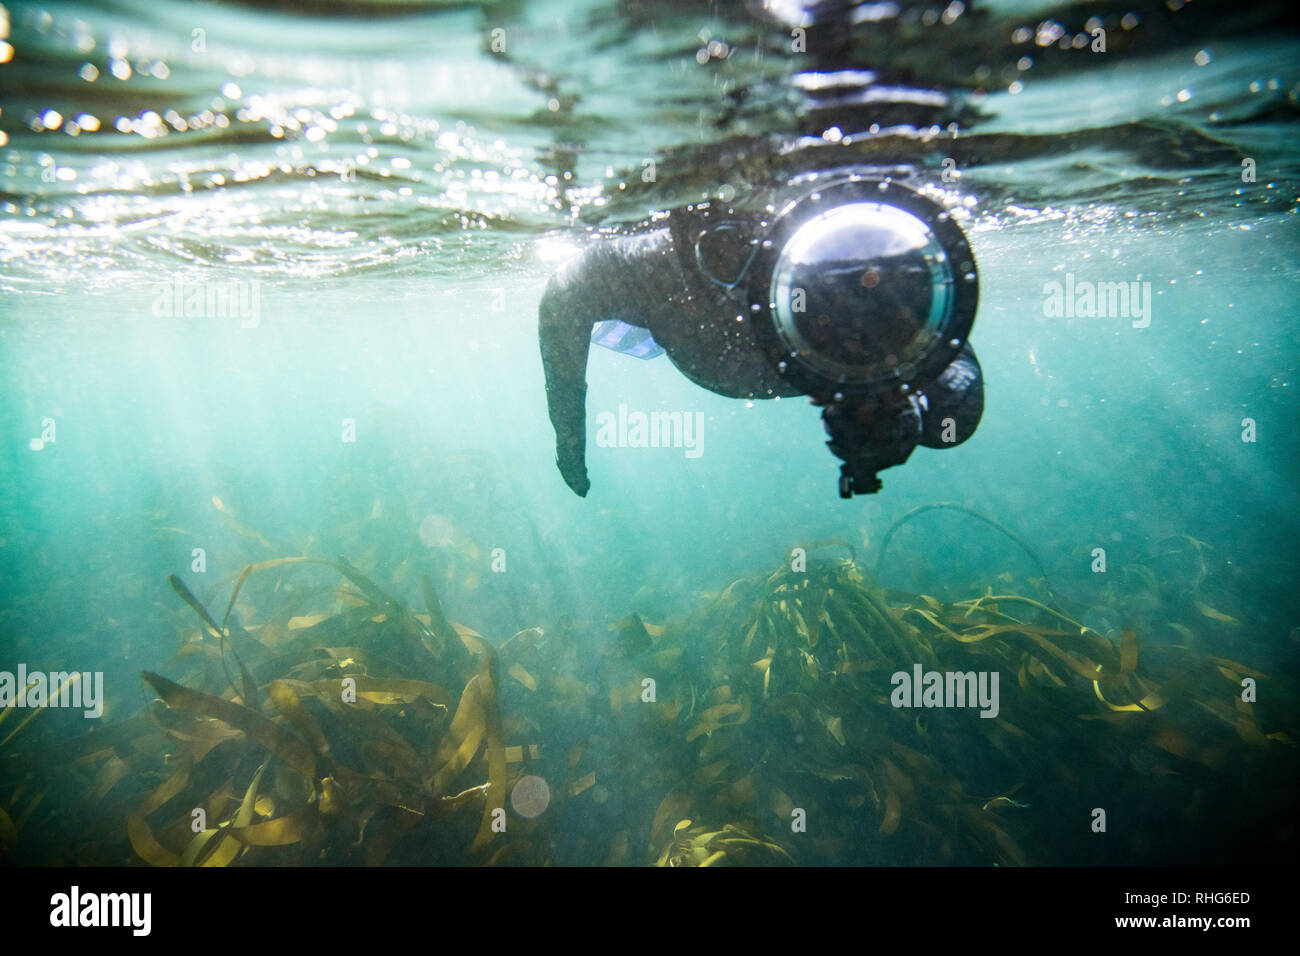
(345, 728)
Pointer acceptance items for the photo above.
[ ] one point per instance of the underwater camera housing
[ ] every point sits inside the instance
(861, 286)
(861, 292)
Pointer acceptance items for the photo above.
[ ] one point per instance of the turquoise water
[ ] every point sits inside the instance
(396, 192)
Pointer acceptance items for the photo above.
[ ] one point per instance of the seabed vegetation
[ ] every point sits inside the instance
(326, 722)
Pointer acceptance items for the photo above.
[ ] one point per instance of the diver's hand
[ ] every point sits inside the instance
(574, 470)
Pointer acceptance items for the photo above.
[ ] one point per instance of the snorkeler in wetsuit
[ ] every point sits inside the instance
(844, 285)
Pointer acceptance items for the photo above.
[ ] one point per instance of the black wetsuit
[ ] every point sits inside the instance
(656, 275)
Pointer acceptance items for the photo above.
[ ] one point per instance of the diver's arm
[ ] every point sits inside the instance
(954, 403)
(634, 278)
(564, 329)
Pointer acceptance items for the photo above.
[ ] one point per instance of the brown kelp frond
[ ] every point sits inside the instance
(978, 516)
(825, 699)
(802, 714)
(732, 845)
(340, 754)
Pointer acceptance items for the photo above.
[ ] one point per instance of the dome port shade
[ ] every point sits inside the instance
(950, 334)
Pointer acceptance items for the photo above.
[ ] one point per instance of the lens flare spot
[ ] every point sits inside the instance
(530, 797)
